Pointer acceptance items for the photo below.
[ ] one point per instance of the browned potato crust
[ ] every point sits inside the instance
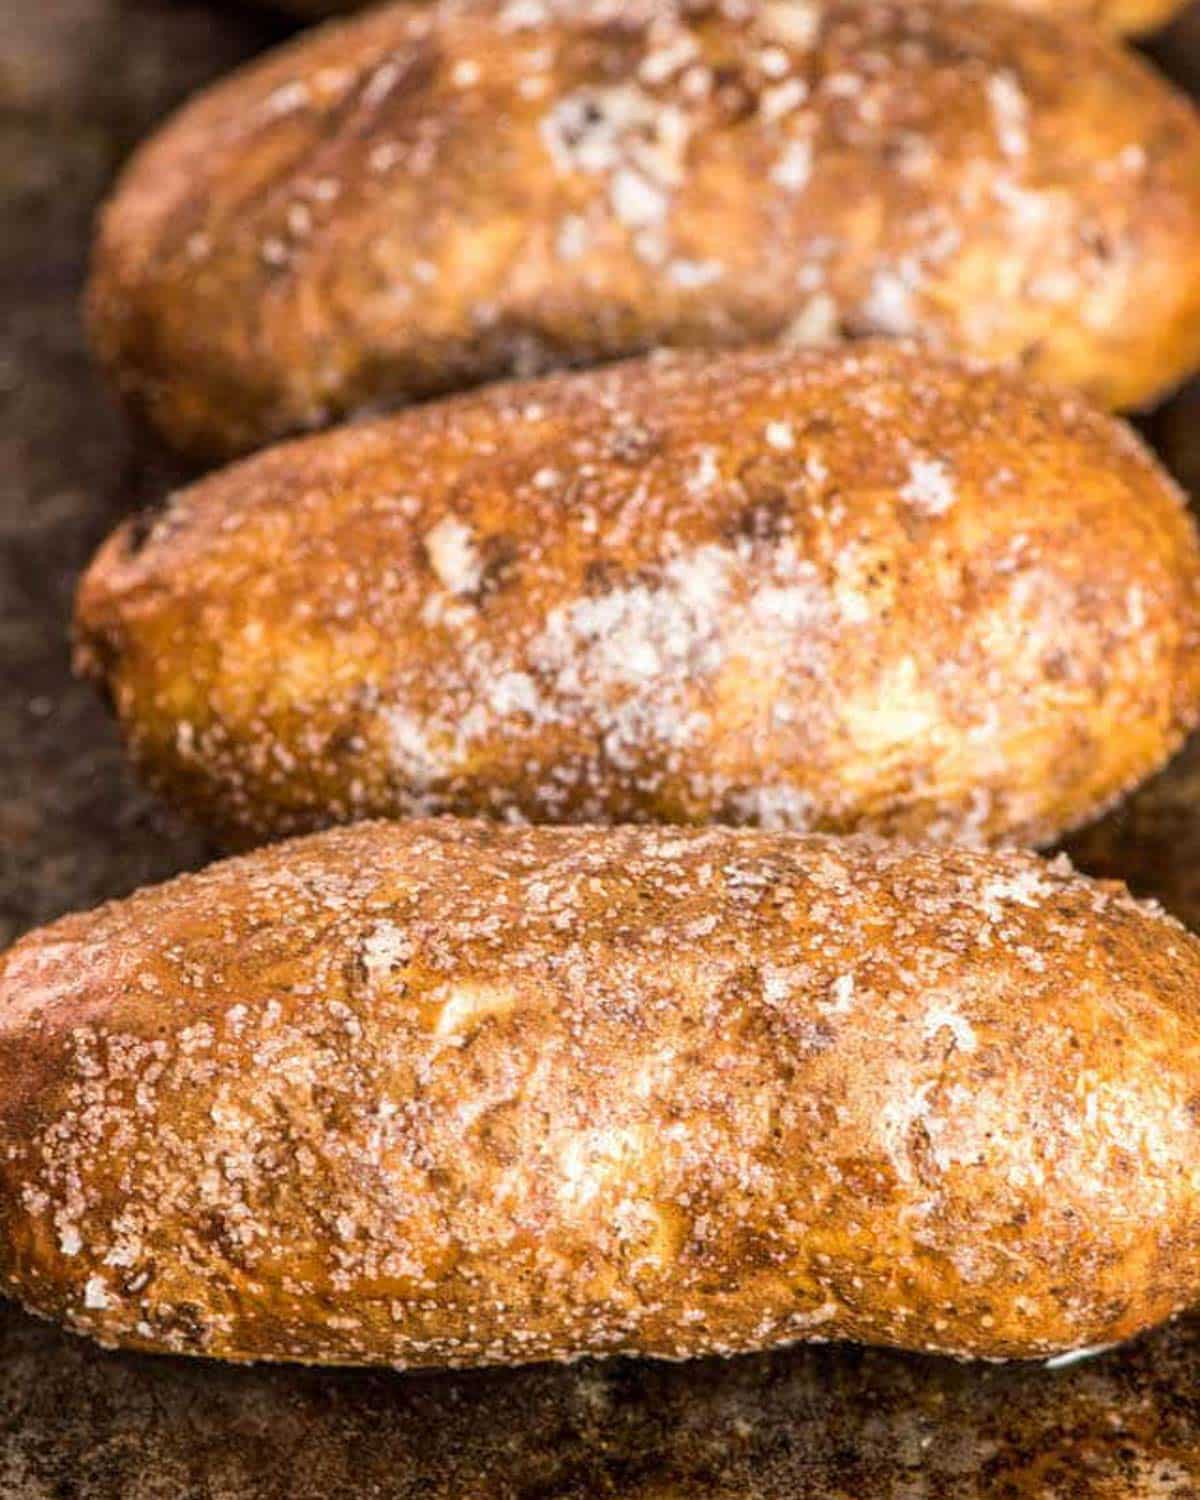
(841, 589)
(1120, 16)
(428, 197)
(453, 1093)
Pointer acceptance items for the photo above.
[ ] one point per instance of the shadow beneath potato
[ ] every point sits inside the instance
(808, 1423)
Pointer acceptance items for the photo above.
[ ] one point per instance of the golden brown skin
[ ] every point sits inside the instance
(1120, 16)
(842, 589)
(429, 197)
(1124, 17)
(452, 1094)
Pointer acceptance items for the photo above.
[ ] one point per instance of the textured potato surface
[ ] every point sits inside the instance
(453, 1093)
(852, 589)
(431, 196)
(1113, 15)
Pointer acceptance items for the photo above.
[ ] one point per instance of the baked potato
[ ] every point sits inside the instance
(426, 198)
(1120, 16)
(857, 588)
(454, 1094)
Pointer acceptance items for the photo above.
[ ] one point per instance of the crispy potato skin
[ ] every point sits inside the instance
(849, 589)
(429, 197)
(1135, 18)
(454, 1093)
(1119, 16)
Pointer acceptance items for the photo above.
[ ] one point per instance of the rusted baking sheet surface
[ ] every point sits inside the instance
(80, 80)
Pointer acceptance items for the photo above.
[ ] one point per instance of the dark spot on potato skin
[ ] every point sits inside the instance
(1056, 666)
(182, 1324)
(499, 556)
(601, 576)
(767, 519)
(735, 95)
(634, 444)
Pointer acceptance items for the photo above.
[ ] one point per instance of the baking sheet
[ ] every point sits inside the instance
(80, 82)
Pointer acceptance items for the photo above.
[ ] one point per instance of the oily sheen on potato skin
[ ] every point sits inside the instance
(432, 196)
(453, 1093)
(850, 589)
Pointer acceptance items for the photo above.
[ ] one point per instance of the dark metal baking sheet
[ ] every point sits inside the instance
(80, 81)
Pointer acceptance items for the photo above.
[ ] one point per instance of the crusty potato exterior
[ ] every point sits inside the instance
(1134, 17)
(454, 1093)
(428, 197)
(1119, 16)
(847, 589)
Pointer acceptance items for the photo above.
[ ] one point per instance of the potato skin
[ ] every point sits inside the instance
(1118, 16)
(429, 197)
(454, 1093)
(1124, 17)
(848, 589)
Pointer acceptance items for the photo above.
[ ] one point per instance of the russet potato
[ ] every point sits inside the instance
(427, 197)
(864, 588)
